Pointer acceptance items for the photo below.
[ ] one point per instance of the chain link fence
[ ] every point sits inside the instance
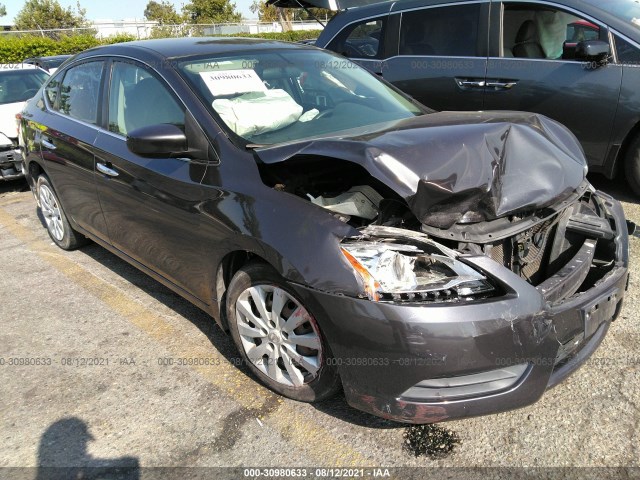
(142, 29)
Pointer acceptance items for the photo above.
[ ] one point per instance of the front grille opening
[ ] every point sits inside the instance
(603, 262)
(543, 250)
(528, 254)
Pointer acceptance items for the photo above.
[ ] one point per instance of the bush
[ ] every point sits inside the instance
(14, 49)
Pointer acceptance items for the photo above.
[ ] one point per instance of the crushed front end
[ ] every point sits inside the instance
(489, 268)
(10, 158)
(557, 280)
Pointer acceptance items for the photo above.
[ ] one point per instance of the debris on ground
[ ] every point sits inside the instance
(430, 440)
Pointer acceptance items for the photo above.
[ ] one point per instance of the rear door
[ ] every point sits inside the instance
(440, 54)
(66, 139)
(531, 69)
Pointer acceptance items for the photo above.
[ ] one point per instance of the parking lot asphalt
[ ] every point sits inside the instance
(102, 365)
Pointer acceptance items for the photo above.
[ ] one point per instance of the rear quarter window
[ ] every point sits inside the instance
(628, 54)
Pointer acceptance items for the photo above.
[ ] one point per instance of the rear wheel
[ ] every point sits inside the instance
(632, 165)
(278, 337)
(57, 224)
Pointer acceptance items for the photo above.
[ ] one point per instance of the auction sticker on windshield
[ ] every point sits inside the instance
(231, 82)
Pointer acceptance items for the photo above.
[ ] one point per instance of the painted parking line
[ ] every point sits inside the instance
(278, 414)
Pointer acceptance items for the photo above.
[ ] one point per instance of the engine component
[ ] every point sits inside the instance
(360, 201)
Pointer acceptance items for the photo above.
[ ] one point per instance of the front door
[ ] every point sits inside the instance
(531, 69)
(150, 204)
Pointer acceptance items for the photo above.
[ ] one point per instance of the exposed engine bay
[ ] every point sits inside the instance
(534, 244)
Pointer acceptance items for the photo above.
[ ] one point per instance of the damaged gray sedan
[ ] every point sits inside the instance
(433, 265)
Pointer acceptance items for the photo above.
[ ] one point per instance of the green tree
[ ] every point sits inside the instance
(3, 10)
(48, 14)
(169, 21)
(162, 12)
(266, 13)
(211, 11)
(269, 13)
(321, 14)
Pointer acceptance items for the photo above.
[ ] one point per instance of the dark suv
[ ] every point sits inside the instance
(576, 61)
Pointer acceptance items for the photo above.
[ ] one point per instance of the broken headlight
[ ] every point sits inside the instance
(395, 272)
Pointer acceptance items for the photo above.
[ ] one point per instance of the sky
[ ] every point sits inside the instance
(112, 9)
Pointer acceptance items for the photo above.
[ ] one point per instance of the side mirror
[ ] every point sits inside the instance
(593, 51)
(162, 140)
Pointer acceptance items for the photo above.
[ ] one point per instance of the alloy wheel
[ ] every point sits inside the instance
(51, 212)
(278, 335)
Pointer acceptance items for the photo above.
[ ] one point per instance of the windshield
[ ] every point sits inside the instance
(627, 10)
(20, 85)
(269, 97)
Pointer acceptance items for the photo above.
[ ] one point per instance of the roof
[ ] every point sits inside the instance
(193, 46)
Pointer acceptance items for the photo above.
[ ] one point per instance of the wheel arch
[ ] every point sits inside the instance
(34, 170)
(227, 268)
(621, 158)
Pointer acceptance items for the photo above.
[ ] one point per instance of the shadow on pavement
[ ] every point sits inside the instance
(11, 186)
(616, 187)
(62, 455)
(221, 341)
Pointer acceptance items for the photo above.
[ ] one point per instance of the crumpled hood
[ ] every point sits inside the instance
(452, 166)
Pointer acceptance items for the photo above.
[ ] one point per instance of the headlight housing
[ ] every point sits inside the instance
(405, 272)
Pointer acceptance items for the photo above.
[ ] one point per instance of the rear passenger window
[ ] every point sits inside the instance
(52, 91)
(361, 40)
(138, 99)
(80, 91)
(441, 31)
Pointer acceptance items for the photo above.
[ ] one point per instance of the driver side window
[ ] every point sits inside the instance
(138, 99)
(361, 39)
(541, 32)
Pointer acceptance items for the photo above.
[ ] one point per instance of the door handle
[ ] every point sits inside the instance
(501, 85)
(464, 84)
(106, 170)
(46, 143)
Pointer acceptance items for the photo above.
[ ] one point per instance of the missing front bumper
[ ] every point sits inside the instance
(11, 164)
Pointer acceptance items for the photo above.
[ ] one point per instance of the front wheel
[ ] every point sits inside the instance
(632, 165)
(278, 337)
(57, 224)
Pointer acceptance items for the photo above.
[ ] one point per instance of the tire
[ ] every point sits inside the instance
(57, 224)
(275, 352)
(632, 165)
